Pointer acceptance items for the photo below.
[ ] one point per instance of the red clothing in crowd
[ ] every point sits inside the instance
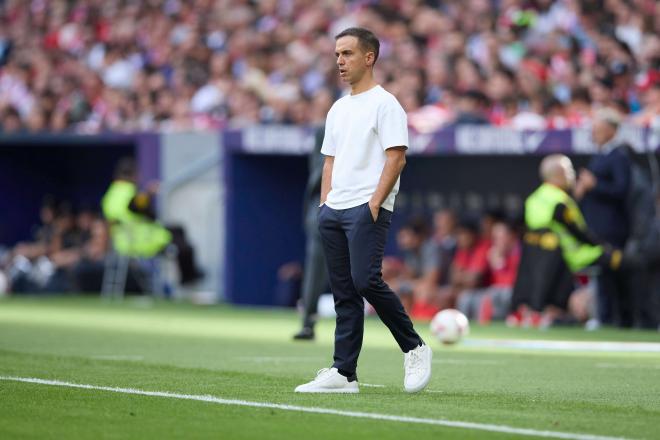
(474, 259)
(505, 276)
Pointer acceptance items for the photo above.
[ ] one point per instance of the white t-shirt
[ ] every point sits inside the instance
(358, 130)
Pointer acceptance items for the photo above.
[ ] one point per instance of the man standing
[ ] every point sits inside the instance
(315, 275)
(602, 191)
(366, 136)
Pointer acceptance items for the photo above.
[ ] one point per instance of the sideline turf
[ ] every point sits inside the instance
(247, 354)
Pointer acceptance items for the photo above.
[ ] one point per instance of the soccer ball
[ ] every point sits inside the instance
(449, 326)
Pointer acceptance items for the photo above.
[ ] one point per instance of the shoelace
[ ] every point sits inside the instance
(413, 361)
(321, 372)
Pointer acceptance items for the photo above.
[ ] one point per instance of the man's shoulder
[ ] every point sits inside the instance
(386, 97)
(618, 156)
(343, 100)
(622, 150)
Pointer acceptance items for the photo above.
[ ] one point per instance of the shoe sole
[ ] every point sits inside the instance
(330, 391)
(426, 380)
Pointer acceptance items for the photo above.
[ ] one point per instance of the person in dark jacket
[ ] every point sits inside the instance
(602, 190)
(315, 276)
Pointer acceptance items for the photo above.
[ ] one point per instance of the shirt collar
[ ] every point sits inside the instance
(611, 145)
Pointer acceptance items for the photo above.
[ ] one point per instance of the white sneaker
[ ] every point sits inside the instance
(417, 366)
(328, 380)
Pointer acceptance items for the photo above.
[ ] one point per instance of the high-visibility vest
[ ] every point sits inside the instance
(133, 234)
(540, 207)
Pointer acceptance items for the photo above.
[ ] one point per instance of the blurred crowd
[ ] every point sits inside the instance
(95, 65)
(468, 262)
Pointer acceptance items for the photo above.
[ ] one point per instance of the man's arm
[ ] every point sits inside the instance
(617, 187)
(326, 180)
(394, 163)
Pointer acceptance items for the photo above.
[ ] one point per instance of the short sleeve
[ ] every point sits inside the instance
(392, 125)
(329, 146)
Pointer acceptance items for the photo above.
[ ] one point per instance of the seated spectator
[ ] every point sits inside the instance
(84, 242)
(418, 275)
(42, 234)
(444, 235)
(488, 220)
(48, 264)
(472, 107)
(493, 301)
(87, 272)
(469, 270)
(134, 230)
(131, 215)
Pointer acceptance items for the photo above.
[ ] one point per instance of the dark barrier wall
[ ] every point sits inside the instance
(264, 217)
(76, 169)
(264, 223)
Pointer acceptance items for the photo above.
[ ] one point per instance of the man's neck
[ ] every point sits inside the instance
(366, 83)
(609, 145)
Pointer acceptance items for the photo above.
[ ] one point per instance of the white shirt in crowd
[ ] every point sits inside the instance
(358, 130)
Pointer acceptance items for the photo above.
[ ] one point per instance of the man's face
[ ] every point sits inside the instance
(602, 132)
(444, 222)
(503, 238)
(568, 174)
(465, 238)
(352, 61)
(407, 240)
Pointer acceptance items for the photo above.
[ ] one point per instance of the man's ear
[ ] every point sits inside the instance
(371, 59)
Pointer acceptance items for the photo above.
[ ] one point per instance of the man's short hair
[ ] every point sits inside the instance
(609, 115)
(366, 39)
(418, 225)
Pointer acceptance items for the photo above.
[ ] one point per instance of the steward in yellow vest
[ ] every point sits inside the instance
(133, 228)
(554, 219)
(557, 242)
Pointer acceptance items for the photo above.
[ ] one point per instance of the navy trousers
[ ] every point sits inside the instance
(354, 245)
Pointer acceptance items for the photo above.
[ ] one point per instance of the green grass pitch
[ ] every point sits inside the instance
(248, 355)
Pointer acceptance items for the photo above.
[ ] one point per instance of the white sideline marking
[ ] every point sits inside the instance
(316, 410)
(608, 347)
(371, 385)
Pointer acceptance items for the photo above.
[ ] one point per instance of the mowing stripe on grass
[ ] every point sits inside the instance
(314, 410)
(277, 359)
(117, 357)
(629, 366)
(466, 361)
